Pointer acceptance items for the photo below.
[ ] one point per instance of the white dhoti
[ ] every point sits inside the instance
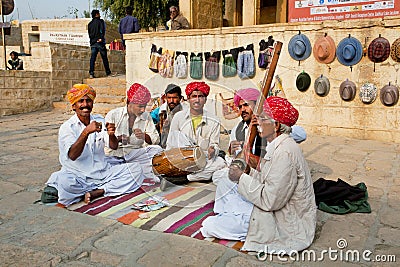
(118, 179)
(233, 213)
(142, 156)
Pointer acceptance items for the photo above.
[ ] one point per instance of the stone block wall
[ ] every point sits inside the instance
(207, 14)
(24, 91)
(328, 115)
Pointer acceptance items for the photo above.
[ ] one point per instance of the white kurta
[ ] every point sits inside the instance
(233, 213)
(137, 150)
(90, 170)
(207, 134)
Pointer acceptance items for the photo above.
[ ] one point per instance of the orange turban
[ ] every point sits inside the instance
(201, 86)
(80, 90)
(281, 110)
(138, 94)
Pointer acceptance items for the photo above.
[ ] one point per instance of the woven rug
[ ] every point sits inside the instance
(189, 206)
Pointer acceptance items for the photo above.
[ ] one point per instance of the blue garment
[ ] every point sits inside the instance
(95, 49)
(155, 115)
(128, 24)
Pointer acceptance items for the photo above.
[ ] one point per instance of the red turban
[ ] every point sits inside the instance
(138, 94)
(201, 86)
(248, 94)
(80, 90)
(280, 110)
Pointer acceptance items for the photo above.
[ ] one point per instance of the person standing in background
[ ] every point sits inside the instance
(128, 24)
(177, 21)
(97, 32)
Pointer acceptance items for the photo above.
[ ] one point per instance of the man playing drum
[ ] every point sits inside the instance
(197, 127)
(135, 131)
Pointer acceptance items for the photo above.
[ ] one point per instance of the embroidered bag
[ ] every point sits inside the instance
(180, 65)
(165, 64)
(212, 68)
(196, 66)
(229, 110)
(154, 58)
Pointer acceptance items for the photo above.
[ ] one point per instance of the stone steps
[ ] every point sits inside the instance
(110, 94)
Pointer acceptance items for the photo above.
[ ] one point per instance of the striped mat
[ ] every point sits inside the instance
(189, 206)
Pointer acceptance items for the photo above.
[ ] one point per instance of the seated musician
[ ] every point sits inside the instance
(197, 127)
(135, 131)
(283, 216)
(173, 104)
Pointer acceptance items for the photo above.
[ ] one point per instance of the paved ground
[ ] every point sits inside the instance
(37, 235)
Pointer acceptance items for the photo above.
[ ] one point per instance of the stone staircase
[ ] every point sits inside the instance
(110, 94)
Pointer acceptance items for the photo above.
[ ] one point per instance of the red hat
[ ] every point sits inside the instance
(200, 86)
(138, 94)
(280, 110)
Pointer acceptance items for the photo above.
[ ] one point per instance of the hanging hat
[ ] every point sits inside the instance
(322, 86)
(303, 81)
(395, 50)
(349, 51)
(389, 95)
(299, 47)
(368, 93)
(347, 90)
(324, 50)
(379, 50)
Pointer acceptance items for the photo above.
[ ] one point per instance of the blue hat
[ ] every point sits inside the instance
(349, 51)
(299, 47)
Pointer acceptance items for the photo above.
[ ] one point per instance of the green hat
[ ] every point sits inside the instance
(303, 81)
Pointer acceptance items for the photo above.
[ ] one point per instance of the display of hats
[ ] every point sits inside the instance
(349, 51)
(299, 47)
(389, 95)
(368, 93)
(379, 50)
(347, 90)
(395, 50)
(322, 86)
(324, 49)
(303, 81)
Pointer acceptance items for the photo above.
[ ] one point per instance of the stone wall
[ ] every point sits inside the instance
(205, 14)
(49, 73)
(24, 91)
(328, 115)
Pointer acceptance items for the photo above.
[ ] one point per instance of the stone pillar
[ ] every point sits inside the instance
(251, 12)
(230, 10)
(202, 14)
(281, 11)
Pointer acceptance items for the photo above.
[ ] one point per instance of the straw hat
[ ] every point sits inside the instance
(324, 50)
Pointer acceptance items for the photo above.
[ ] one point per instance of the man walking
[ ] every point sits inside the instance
(128, 24)
(97, 32)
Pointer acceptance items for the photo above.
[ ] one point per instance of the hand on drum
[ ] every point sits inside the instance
(124, 139)
(234, 173)
(139, 133)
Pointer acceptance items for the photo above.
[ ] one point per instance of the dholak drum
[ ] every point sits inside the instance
(179, 161)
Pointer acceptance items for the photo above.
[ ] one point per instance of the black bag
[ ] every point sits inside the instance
(49, 195)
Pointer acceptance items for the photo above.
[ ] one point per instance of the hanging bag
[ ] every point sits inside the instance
(154, 58)
(196, 66)
(180, 65)
(165, 63)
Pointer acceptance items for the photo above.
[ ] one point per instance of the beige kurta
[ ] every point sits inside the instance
(284, 214)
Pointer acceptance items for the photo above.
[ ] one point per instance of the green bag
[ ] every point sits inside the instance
(49, 195)
(229, 66)
(196, 67)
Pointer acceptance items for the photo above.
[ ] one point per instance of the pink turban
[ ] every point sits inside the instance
(280, 110)
(201, 86)
(248, 94)
(80, 90)
(138, 94)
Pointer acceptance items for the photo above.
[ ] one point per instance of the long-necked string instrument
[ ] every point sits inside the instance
(268, 77)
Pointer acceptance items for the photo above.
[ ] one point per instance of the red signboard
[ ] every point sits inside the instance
(320, 10)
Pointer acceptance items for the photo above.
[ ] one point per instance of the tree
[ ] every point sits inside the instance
(150, 14)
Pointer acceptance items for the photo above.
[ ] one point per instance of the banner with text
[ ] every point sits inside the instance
(73, 38)
(319, 10)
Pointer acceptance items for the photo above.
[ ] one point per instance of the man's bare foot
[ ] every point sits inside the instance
(92, 195)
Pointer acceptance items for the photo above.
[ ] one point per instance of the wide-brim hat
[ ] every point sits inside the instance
(299, 47)
(389, 95)
(368, 93)
(303, 81)
(395, 50)
(324, 49)
(349, 51)
(347, 90)
(379, 50)
(322, 86)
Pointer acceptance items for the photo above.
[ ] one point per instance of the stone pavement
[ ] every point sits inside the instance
(38, 235)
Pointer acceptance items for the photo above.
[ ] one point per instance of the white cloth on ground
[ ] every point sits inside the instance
(233, 213)
(90, 170)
